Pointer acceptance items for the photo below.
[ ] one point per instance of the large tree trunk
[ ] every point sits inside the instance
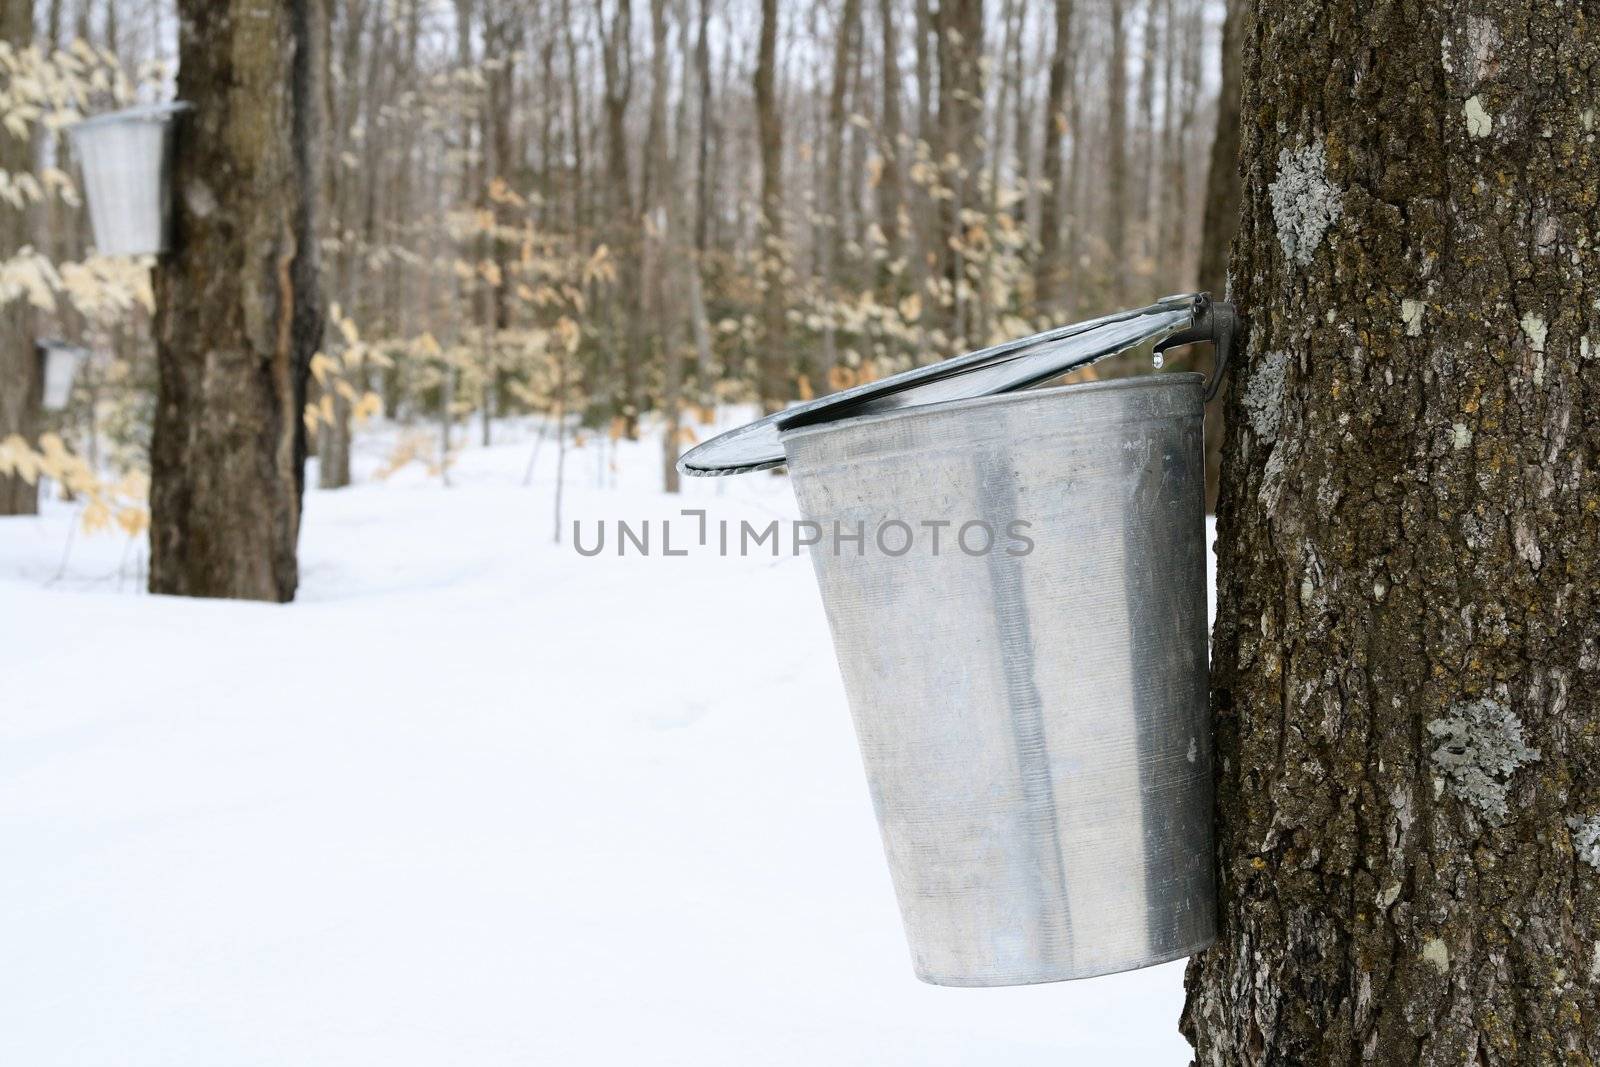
(20, 382)
(238, 311)
(1405, 657)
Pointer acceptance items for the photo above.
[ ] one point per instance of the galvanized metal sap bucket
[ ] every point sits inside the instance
(60, 361)
(1029, 688)
(126, 158)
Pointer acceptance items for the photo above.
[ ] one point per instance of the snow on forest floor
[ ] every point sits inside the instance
(474, 799)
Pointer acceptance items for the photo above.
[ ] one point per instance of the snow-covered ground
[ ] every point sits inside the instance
(474, 799)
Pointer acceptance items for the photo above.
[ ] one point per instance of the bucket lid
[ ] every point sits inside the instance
(142, 113)
(1004, 368)
(51, 345)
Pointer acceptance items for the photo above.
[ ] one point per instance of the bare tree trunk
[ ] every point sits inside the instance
(925, 28)
(1145, 154)
(890, 130)
(960, 37)
(1404, 665)
(924, 214)
(1072, 195)
(1050, 273)
(622, 228)
(1117, 185)
(575, 138)
(1221, 219)
(1022, 121)
(333, 440)
(833, 175)
(333, 446)
(772, 388)
(470, 190)
(1012, 14)
(1222, 178)
(20, 380)
(238, 305)
(663, 233)
(703, 181)
(703, 174)
(1179, 228)
(503, 38)
(1166, 168)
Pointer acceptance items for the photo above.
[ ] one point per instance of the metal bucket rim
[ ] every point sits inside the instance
(56, 344)
(1172, 380)
(153, 113)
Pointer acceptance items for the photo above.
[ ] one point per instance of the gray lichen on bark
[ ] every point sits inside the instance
(1304, 202)
(1586, 839)
(1480, 746)
(1263, 395)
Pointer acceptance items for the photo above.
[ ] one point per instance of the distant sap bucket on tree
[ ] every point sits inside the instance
(61, 362)
(126, 158)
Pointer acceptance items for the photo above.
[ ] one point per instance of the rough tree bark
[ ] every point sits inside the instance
(238, 307)
(20, 380)
(1407, 646)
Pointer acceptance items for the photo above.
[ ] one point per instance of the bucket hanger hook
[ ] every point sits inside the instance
(1214, 321)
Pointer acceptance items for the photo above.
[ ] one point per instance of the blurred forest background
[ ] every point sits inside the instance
(616, 214)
